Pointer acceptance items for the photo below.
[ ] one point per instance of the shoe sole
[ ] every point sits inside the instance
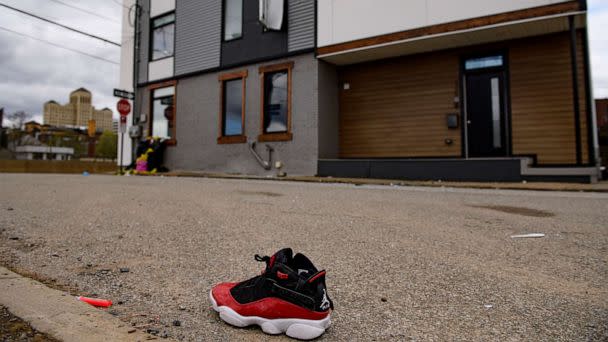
(302, 329)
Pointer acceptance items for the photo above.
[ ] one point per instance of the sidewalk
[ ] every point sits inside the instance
(59, 314)
(534, 186)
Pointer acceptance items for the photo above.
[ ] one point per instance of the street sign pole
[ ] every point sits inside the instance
(124, 108)
(121, 150)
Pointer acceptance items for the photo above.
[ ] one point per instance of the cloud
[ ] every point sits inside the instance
(32, 72)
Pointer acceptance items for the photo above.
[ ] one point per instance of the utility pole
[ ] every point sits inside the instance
(136, 59)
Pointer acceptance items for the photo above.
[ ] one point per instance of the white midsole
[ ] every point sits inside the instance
(303, 329)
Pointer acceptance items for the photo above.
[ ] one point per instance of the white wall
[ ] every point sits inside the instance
(342, 21)
(158, 7)
(162, 68)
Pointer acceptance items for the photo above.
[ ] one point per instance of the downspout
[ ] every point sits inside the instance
(136, 56)
(594, 146)
(261, 161)
(575, 91)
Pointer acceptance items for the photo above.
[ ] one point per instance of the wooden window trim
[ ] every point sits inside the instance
(151, 88)
(232, 139)
(279, 136)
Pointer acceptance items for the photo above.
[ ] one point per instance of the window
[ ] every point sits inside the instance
(276, 102)
(232, 108)
(162, 119)
(163, 32)
(233, 19)
(484, 62)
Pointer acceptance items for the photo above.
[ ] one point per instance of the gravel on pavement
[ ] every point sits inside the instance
(403, 263)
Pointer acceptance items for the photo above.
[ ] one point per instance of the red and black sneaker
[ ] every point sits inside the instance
(288, 297)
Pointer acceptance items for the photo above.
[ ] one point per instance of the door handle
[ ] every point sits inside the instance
(468, 122)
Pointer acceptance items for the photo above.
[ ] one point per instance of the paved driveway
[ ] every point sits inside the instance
(403, 263)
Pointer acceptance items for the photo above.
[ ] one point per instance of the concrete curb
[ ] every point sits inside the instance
(59, 314)
(601, 187)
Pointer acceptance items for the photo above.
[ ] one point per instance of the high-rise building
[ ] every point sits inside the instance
(77, 112)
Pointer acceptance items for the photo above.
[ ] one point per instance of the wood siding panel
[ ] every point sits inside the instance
(398, 107)
(542, 113)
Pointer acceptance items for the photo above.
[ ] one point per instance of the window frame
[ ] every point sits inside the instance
(224, 7)
(151, 38)
(173, 140)
(222, 79)
(263, 70)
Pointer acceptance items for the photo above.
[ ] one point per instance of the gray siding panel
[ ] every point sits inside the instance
(301, 27)
(198, 35)
(144, 43)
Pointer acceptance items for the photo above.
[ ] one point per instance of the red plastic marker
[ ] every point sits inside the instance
(104, 303)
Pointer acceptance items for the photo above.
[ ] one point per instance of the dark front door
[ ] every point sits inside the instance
(485, 114)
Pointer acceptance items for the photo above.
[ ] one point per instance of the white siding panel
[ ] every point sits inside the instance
(342, 21)
(158, 7)
(160, 69)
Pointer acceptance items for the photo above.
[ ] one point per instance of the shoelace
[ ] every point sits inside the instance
(265, 258)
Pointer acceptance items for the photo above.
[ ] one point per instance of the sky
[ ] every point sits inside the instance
(32, 72)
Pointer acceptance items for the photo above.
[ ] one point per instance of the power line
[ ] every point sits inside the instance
(120, 4)
(85, 11)
(59, 46)
(58, 24)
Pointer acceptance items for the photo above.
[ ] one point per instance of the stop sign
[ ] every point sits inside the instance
(124, 107)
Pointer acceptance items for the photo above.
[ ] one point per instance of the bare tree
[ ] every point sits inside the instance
(18, 118)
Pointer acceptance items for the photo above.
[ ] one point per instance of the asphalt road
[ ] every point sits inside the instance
(403, 263)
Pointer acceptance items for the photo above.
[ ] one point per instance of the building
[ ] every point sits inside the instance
(77, 112)
(429, 89)
(43, 152)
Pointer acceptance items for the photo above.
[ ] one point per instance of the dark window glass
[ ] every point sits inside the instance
(275, 102)
(233, 19)
(163, 36)
(233, 108)
(163, 112)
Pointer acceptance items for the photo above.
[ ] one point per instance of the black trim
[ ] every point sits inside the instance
(589, 99)
(462, 100)
(583, 5)
(174, 40)
(499, 170)
(230, 66)
(575, 97)
(316, 27)
(559, 178)
(508, 113)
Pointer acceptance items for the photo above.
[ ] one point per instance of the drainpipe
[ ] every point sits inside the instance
(261, 161)
(575, 91)
(136, 59)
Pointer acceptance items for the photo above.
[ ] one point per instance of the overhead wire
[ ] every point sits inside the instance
(59, 24)
(86, 11)
(59, 46)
